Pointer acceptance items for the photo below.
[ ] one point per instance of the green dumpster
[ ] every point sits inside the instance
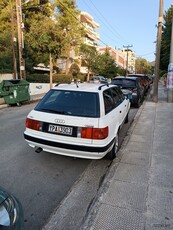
(14, 91)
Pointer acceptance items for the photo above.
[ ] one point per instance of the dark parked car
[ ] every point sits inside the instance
(11, 212)
(144, 79)
(151, 79)
(134, 85)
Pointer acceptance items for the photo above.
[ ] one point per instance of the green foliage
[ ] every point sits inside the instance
(90, 56)
(5, 15)
(50, 27)
(107, 65)
(43, 39)
(44, 78)
(166, 40)
(62, 78)
(35, 11)
(142, 66)
(37, 78)
(71, 30)
(99, 64)
(6, 60)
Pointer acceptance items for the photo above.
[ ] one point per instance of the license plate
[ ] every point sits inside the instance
(60, 129)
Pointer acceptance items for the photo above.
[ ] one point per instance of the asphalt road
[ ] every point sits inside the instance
(39, 180)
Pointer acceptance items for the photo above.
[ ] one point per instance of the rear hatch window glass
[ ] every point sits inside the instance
(125, 83)
(72, 103)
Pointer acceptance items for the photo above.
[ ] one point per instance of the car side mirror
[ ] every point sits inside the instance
(129, 96)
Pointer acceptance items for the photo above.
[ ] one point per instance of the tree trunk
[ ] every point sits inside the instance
(51, 69)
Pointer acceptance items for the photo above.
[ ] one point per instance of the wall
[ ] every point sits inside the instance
(39, 88)
(6, 76)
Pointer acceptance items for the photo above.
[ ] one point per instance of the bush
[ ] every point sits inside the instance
(38, 78)
(45, 78)
(62, 78)
(57, 78)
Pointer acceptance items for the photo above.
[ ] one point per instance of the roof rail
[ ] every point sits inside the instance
(100, 87)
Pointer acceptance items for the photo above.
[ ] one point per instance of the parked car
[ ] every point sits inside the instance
(99, 79)
(134, 85)
(144, 79)
(11, 212)
(151, 79)
(79, 120)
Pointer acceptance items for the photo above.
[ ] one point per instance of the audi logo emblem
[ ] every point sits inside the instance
(59, 121)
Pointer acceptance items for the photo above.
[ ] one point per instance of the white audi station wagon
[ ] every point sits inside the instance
(79, 120)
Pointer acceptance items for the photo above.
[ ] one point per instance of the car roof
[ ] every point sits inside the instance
(138, 75)
(86, 87)
(128, 78)
(98, 77)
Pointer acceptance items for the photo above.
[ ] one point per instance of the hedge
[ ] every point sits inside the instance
(57, 78)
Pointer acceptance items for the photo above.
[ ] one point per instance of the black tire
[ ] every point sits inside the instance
(138, 104)
(112, 154)
(127, 118)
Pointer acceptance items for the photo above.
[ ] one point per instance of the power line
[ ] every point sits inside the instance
(107, 23)
(77, 19)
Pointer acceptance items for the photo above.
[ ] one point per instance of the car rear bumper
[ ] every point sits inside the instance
(81, 151)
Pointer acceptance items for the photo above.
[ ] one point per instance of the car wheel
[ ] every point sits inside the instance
(138, 104)
(127, 118)
(112, 154)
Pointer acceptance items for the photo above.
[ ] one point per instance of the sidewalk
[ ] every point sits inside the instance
(33, 98)
(138, 191)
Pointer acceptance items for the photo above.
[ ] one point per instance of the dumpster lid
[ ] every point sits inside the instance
(14, 81)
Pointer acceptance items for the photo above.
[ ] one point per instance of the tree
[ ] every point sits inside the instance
(143, 66)
(35, 11)
(71, 30)
(166, 40)
(6, 60)
(6, 52)
(90, 57)
(107, 65)
(98, 64)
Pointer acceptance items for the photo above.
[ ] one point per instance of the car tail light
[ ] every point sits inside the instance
(94, 133)
(33, 124)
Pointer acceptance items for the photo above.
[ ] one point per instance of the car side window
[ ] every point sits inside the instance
(108, 101)
(120, 95)
(116, 96)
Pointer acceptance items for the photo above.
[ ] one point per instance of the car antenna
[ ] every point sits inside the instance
(76, 81)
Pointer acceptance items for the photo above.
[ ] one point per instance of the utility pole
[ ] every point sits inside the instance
(127, 60)
(170, 68)
(51, 70)
(13, 46)
(158, 46)
(20, 39)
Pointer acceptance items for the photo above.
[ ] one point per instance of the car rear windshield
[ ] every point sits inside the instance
(124, 83)
(72, 103)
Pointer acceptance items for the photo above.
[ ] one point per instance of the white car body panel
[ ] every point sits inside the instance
(77, 146)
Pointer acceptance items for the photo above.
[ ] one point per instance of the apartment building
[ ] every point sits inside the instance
(131, 58)
(117, 55)
(91, 37)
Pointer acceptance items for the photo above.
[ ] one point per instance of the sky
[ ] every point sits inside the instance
(126, 23)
